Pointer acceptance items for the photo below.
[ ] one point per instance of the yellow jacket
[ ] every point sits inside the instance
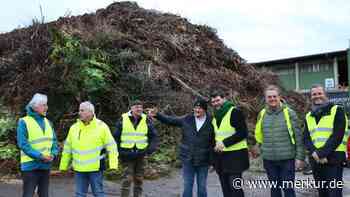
(84, 144)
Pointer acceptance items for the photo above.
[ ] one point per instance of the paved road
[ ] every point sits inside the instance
(164, 187)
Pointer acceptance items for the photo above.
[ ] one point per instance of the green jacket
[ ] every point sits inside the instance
(277, 144)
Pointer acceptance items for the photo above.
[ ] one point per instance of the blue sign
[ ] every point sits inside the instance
(340, 98)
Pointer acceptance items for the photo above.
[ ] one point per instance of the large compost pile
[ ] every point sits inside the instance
(119, 54)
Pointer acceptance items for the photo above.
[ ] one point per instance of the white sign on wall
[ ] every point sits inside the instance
(329, 83)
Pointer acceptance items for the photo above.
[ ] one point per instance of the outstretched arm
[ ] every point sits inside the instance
(170, 120)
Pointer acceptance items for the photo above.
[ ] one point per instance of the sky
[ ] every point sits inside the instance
(257, 30)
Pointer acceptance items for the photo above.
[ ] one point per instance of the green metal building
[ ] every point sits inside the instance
(299, 73)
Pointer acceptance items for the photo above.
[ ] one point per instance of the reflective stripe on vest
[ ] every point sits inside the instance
(321, 132)
(226, 130)
(87, 145)
(84, 152)
(88, 161)
(131, 136)
(37, 138)
(259, 126)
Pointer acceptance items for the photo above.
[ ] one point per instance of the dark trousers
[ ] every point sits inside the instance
(329, 174)
(278, 172)
(33, 179)
(133, 171)
(226, 181)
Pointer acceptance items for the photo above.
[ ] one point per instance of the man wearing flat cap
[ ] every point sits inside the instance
(196, 144)
(136, 137)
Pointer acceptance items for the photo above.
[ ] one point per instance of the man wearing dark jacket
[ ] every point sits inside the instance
(231, 150)
(325, 137)
(196, 144)
(136, 137)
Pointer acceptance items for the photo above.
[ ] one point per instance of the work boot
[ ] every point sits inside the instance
(125, 187)
(138, 181)
(307, 170)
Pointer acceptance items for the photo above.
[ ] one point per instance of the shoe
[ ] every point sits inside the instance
(307, 172)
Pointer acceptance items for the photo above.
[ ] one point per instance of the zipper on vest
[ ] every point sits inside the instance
(79, 134)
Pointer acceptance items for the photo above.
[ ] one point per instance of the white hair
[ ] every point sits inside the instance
(88, 105)
(37, 99)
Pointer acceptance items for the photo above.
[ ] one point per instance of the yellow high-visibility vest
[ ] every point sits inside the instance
(37, 138)
(258, 128)
(226, 130)
(130, 136)
(84, 144)
(321, 131)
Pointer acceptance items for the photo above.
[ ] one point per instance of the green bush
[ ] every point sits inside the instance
(164, 155)
(8, 151)
(113, 174)
(7, 125)
(86, 68)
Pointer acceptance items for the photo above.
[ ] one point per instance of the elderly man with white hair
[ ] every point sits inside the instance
(88, 142)
(38, 144)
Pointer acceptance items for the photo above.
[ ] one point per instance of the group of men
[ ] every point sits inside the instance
(87, 146)
(218, 139)
(282, 142)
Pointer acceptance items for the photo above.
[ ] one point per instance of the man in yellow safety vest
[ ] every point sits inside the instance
(88, 143)
(278, 132)
(38, 144)
(136, 137)
(325, 137)
(231, 150)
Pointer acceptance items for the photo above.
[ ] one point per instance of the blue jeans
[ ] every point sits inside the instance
(189, 172)
(84, 179)
(278, 171)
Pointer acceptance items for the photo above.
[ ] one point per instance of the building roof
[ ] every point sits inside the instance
(327, 55)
